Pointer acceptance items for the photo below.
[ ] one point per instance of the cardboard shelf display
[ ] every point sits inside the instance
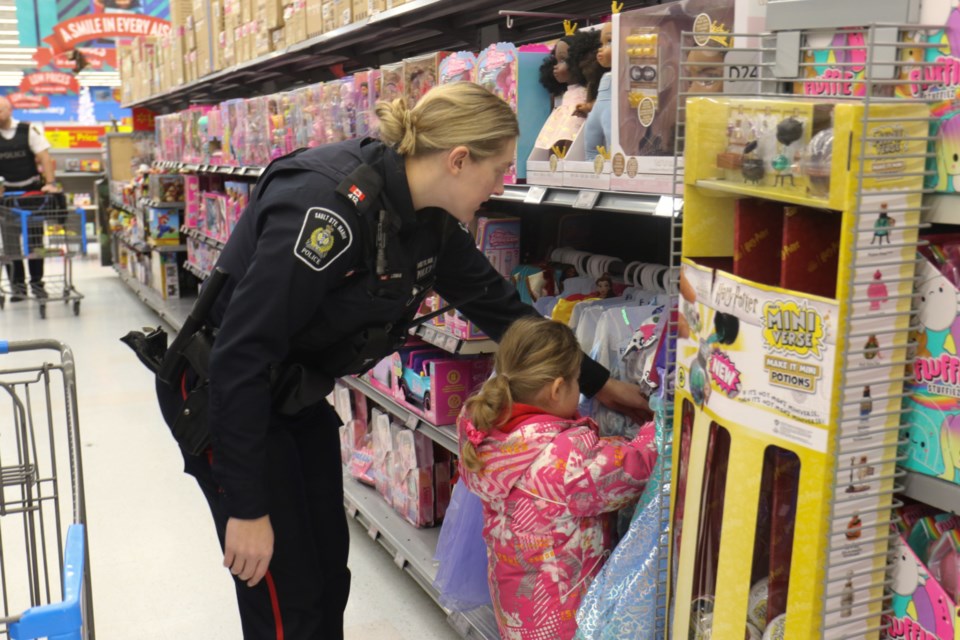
(796, 376)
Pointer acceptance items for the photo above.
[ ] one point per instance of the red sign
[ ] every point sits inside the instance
(27, 101)
(50, 82)
(97, 58)
(69, 33)
(143, 119)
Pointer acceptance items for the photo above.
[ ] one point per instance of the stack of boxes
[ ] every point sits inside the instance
(213, 35)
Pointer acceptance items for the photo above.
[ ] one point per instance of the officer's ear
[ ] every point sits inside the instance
(457, 159)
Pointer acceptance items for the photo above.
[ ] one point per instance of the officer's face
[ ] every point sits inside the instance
(479, 180)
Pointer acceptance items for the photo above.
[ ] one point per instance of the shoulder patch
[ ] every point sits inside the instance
(324, 237)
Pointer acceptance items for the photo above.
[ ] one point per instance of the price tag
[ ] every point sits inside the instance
(586, 200)
(668, 206)
(535, 195)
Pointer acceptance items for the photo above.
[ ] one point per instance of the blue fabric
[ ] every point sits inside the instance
(622, 600)
(597, 128)
(462, 573)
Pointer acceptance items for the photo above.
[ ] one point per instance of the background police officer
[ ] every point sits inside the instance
(23, 156)
(336, 251)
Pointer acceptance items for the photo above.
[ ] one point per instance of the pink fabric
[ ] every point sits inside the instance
(546, 487)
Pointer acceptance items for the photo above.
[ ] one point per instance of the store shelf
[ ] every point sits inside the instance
(157, 204)
(934, 491)
(439, 338)
(167, 248)
(195, 270)
(416, 27)
(190, 167)
(613, 201)
(445, 436)
(196, 234)
(75, 152)
(412, 550)
(78, 174)
(749, 191)
(173, 311)
(116, 204)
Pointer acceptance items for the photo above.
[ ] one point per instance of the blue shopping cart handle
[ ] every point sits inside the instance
(4, 347)
(60, 619)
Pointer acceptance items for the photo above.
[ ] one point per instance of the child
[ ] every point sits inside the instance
(547, 481)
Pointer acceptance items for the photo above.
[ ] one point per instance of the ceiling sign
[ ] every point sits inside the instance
(97, 58)
(21, 100)
(50, 82)
(69, 33)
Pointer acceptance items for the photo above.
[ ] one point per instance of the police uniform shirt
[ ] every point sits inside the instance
(35, 138)
(298, 284)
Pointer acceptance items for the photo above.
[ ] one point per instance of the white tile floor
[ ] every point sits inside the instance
(154, 555)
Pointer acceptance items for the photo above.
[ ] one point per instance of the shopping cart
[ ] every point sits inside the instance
(45, 589)
(39, 225)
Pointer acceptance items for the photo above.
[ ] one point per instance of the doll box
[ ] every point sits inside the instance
(645, 69)
(420, 74)
(933, 446)
(436, 389)
(585, 174)
(544, 167)
(757, 376)
(458, 67)
(922, 609)
(514, 75)
(191, 200)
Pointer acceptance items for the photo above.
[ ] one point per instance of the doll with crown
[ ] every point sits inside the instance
(562, 74)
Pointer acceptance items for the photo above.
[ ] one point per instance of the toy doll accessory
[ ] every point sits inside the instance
(569, 27)
(474, 435)
(616, 7)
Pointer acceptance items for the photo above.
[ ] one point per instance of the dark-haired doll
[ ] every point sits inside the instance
(567, 71)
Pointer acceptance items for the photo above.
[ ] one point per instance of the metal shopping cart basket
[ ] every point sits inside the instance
(37, 225)
(44, 583)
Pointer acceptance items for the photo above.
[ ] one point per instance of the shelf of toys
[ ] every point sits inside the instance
(799, 236)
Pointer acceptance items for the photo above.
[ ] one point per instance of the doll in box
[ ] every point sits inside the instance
(597, 132)
(276, 128)
(561, 74)
(348, 109)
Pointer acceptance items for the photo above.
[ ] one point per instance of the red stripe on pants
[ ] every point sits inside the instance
(275, 603)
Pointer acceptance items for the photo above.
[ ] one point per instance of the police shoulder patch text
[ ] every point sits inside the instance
(323, 238)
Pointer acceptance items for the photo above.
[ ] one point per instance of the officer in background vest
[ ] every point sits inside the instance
(337, 248)
(25, 165)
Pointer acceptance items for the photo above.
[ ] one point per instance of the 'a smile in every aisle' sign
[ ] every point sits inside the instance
(69, 33)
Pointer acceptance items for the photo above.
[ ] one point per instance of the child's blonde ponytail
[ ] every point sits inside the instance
(487, 409)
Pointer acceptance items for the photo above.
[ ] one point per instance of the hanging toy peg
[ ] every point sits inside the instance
(616, 7)
(570, 27)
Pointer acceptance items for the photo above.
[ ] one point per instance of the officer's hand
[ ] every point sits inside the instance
(248, 548)
(627, 399)
(50, 188)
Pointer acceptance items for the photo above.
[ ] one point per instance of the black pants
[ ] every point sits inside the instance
(306, 587)
(17, 275)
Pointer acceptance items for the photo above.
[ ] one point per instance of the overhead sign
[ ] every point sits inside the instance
(69, 33)
(98, 58)
(50, 82)
(21, 100)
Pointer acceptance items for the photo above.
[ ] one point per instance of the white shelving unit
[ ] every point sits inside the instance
(936, 492)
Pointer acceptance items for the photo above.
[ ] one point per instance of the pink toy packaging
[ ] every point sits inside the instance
(499, 240)
(214, 152)
(435, 386)
(391, 81)
(514, 75)
(276, 127)
(348, 108)
(237, 196)
(214, 215)
(362, 99)
(330, 106)
(374, 82)
(420, 74)
(412, 490)
(458, 67)
(191, 200)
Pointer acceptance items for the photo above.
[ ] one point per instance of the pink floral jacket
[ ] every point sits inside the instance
(546, 486)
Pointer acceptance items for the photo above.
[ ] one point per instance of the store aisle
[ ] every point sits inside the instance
(154, 554)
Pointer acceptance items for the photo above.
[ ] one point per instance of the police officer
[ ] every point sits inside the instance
(26, 165)
(336, 251)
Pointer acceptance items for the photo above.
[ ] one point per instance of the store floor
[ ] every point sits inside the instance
(154, 555)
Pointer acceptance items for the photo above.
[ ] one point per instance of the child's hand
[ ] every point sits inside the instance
(627, 399)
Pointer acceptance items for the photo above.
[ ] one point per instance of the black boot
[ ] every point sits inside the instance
(38, 290)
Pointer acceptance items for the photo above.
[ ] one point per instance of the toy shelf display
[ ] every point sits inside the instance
(799, 241)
